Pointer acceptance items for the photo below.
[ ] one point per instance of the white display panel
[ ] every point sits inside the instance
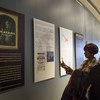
(44, 50)
(66, 48)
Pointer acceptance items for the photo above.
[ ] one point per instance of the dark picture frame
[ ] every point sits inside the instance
(79, 52)
(11, 49)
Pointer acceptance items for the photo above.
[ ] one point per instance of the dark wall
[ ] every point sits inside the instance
(65, 13)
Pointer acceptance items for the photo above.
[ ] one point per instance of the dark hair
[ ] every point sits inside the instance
(92, 48)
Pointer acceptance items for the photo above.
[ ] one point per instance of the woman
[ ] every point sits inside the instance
(75, 85)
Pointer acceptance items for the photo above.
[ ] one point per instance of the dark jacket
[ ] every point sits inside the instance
(93, 79)
(74, 87)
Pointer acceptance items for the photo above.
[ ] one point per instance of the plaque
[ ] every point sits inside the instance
(11, 49)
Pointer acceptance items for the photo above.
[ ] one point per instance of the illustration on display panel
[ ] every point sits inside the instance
(8, 30)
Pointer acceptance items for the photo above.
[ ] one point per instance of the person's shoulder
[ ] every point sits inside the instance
(96, 67)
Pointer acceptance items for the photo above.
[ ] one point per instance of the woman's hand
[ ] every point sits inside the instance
(67, 68)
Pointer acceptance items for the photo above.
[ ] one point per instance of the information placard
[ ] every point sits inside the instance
(44, 50)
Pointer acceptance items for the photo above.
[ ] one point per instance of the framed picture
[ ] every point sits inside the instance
(44, 50)
(66, 48)
(11, 49)
(79, 52)
(8, 30)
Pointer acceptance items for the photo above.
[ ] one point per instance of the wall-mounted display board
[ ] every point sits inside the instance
(11, 49)
(44, 50)
(79, 52)
(66, 48)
